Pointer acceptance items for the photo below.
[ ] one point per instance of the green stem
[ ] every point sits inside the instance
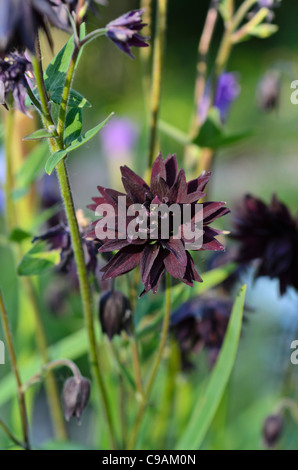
(145, 54)
(242, 12)
(50, 383)
(13, 359)
(158, 57)
(10, 435)
(66, 194)
(46, 368)
(10, 209)
(161, 348)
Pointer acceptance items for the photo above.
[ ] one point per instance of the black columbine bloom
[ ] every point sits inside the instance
(268, 233)
(20, 21)
(75, 395)
(201, 324)
(167, 187)
(114, 314)
(59, 238)
(124, 31)
(13, 82)
(272, 430)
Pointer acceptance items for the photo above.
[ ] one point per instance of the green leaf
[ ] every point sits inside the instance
(18, 235)
(212, 134)
(73, 126)
(33, 165)
(76, 100)
(55, 73)
(264, 30)
(207, 406)
(40, 134)
(58, 156)
(38, 260)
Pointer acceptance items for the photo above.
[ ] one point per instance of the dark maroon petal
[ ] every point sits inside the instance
(174, 267)
(131, 175)
(158, 170)
(135, 192)
(171, 169)
(214, 210)
(199, 183)
(191, 272)
(177, 248)
(124, 261)
(156, 273)
(160, 188)
(150, 254)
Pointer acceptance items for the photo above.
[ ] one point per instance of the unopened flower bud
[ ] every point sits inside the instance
(114, 313)
(269, 91)
(76, 393)
(272, 430)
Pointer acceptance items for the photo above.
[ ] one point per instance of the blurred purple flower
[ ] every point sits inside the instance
(13, 82)
(269, 90)
(227, 91)
(201, 324)
(269, 234)
(124, 31)
(119, 138)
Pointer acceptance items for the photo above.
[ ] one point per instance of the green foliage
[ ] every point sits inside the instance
(73, 126)
(39, 134)
(207, 406)
(38, 260)
(78, 142)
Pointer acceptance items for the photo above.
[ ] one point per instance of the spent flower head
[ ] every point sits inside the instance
(114, 313)
(75, 395)
(163, 253)
(13, 82)
(269, 234)
(125, 31)
(272, 430)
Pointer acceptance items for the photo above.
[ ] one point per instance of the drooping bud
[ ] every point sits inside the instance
(272, 430)
(76, 393)
(114, 313)
(269, 91)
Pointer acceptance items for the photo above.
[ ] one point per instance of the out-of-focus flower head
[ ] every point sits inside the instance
(226, 92)
(59, 239)
(64, 7)
(118, 138)
(48, 189)
(272, 430)
(124, 31)
(268, 94)
(75, 395)
(270, 4)
(269, 234)
(13, 82)
(156, 256)
(20, 21)
(201, 324)
(114, 313)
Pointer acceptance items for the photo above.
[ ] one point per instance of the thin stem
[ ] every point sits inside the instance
(203, 50)
(134, 343)
(46, 368)
(85, 289)
(242, 12)
(10, 435)
(13, 359)
(161, 348)
(158, 58)
(50, 383)
(33, 99)
(145, 54)
(10, 209)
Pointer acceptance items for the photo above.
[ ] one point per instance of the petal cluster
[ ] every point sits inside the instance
(167, 187)
(268, 233)
(13, 83)
(125, 31)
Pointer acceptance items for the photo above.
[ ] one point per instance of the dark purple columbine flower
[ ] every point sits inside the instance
(268, 233)
(13, 82)
(64, 7)
(227, 91)
(75, 395)
(20, 21)
(270, 4)
(124, 31)
(201, 324)
(59, 239)
(167, 187)
(269, 91)
(272, 430)
(114, 314)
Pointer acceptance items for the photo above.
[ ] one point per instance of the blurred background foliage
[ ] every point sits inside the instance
(264, 163)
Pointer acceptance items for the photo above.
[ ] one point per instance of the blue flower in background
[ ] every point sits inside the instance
(227, 91)
(119, 138)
